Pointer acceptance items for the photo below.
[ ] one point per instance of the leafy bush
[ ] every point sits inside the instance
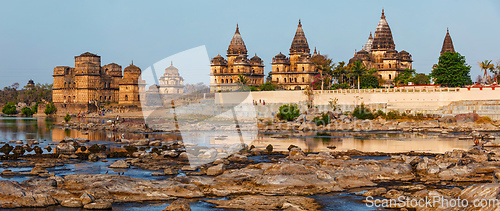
(369, 81)
(288, 112)
(67, 118)
(323, 120)
(380, 113)
(268, 86)
(26, 111)
(50, 109)
(9, 108)
(393, 115)
(340, 86)
(361, 112)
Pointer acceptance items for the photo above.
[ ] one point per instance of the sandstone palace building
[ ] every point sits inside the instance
(297, 71)
(84, 87)
(225, 74)
(379, 53)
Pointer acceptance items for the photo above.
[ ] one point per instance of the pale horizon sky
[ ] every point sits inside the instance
(39, 35)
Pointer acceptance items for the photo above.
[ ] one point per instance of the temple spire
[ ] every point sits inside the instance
(299, 43)
(237, 46)
(383, 36)
(447, 43)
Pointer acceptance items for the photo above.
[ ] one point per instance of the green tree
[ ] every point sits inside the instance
(50, 108)
(452, 70)
(421, 79)
(369, 81)
(357, 70)
(324, 66)
(26, 111)
(9, 108)
(268, 86)
(404, 77)
(339, 72)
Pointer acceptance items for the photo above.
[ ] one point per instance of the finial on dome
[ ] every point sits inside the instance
(300, 24)
(237, 29)
(447, 30)
(383, 14)
(132, 62)
(171, 63)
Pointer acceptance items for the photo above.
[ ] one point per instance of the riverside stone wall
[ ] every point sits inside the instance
(438, 101)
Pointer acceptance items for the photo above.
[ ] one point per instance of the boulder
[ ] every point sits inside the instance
(258, 202)
(93, 158)
(73, 203)
(470, 117)
(38, 170)
(120, 164)
(102, 205)
(155, 143)
(237, 158)
(447, 119)
(65, 148)
(141, 142)
(216, 170)
(170, 171)
(86, 198)
(178, 205)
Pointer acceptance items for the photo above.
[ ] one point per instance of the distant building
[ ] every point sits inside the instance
(379, 53)
(224, 75)
(30, 85)
(171, 83)
(447, 44)
(297, 71)
(83, 87)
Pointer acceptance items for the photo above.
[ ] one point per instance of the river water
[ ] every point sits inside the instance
(46, 133)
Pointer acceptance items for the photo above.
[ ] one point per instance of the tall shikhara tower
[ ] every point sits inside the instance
(447, 44)
(225, 74)
(297, 71)
(380, 53)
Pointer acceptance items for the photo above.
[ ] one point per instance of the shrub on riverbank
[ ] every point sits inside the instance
(323, 120)
(9, 108)
(288, 112)
(50, 109)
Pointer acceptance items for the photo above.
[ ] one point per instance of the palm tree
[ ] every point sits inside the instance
(357, 70)
(485, 66)
(242, 79)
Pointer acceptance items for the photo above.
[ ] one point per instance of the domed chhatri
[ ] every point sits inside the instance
(171, 83)
(225, 74)
(380, 53)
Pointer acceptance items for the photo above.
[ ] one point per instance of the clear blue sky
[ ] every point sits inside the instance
(36, 36)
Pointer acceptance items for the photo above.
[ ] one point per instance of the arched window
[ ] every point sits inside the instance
(138, 98)
(277, 69)
(216, 80)
(390, 76)
(303, 69)
(303, 80)
(389, 65)
(285, 80)
(227, 81)
(126, 97)
(295, 80)
(231, 80)
(238, 70)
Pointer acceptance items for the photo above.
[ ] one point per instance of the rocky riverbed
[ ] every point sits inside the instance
(288, 178)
